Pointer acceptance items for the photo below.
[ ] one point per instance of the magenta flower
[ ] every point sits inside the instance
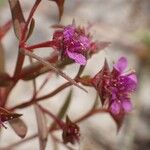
(73, 43)
(115, 87)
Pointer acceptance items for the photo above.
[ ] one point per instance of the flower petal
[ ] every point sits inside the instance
(121, 64)
(85, 42)
(127, 105)
(115, 108)
(68, 32)
(130, 82)
(79, 58)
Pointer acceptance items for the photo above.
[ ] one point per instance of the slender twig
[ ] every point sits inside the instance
(41, 45)
(91, 113)
(50, 66)
(53, 93)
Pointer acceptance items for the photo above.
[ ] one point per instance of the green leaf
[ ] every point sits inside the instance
(64, 107)
(17, 17)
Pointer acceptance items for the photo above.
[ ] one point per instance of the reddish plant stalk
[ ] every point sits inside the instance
(40, 45)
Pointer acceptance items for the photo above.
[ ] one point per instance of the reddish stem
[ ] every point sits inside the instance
(29, 103)
(90, 113)
(31, 70)
(60, 123)
(21, 57)
(41, 45)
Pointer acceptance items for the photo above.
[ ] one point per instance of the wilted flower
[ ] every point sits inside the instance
(70, 132)
(115, 87)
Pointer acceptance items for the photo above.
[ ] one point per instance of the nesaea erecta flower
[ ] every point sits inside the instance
(115, 87)
(76, 43)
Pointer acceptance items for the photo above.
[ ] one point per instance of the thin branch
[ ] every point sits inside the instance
(50, 66)
(53, 93)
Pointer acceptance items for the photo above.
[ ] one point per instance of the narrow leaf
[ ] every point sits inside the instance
(19, 126)
(42, 128)
(17, 17)
(64, 107)
(60, 5)
(31, 28)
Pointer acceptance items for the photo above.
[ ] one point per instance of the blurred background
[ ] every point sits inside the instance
(126, 24)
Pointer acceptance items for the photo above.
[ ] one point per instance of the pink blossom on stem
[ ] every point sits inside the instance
(75, 43)
(116, 86)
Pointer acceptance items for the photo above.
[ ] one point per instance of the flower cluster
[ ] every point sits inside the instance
(115, 87)
(73, 42)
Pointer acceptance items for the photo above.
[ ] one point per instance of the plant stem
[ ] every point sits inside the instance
(29, 103)
(41, 45)
(51, 67)
(59, 122)
(90, 113)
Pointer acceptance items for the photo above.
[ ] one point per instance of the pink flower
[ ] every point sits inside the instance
(116, 86)
(72, 42)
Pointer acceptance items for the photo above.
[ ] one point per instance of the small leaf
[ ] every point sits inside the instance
(64, 107)
(42, 128)
(118, 120)
(17, 17)
(60, 5)
(31, 28)
(19, 127)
